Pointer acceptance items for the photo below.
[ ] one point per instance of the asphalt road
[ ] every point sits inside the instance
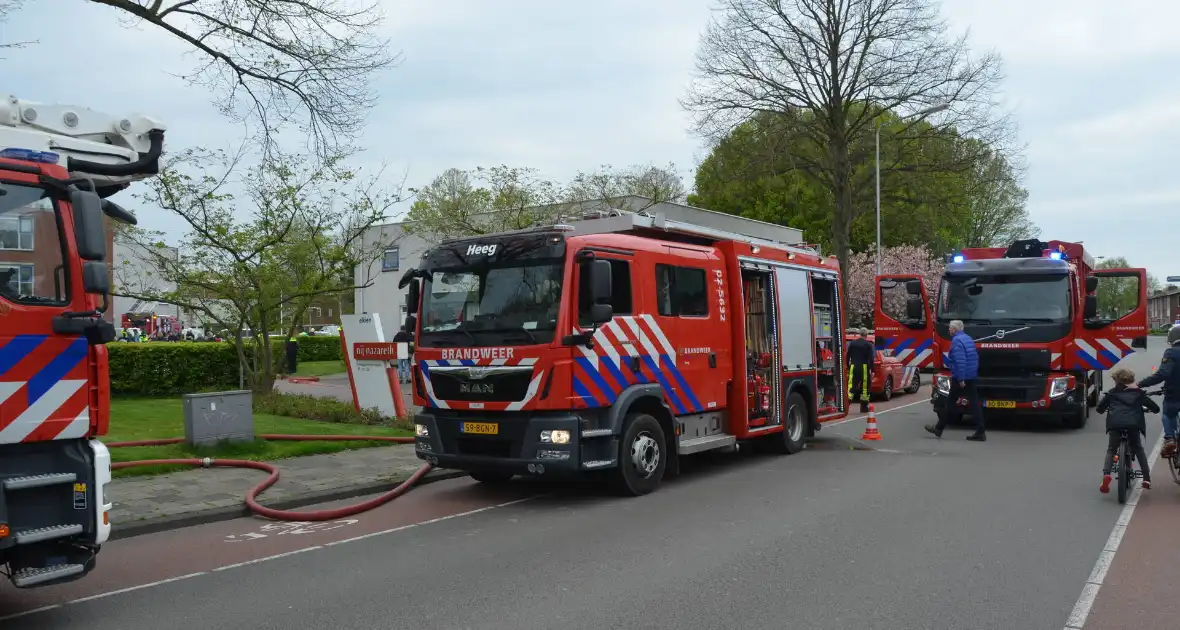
(918, 533)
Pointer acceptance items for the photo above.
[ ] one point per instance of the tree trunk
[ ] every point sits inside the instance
(842, 187)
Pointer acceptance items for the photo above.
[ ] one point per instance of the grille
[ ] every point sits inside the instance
(1010, 362)
(507, 387)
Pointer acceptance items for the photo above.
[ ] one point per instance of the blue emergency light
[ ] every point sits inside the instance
(29, 155)
(1055, 255)
(958, 258)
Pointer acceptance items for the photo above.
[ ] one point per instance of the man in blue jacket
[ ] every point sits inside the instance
(964, 370)
(1169, 375)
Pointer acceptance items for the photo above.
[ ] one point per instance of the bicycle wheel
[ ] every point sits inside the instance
(1126, 472)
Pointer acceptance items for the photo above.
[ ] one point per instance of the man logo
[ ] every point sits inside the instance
(487, 250)
(475, 388)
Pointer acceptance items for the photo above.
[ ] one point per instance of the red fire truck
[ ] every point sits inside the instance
(619, 344)
(58, 165)
(151, 324)
(1046, 324)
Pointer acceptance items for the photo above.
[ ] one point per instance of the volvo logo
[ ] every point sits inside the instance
(1000, 334)
(475, 388)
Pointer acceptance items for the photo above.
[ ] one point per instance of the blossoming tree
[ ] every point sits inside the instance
(860, 285)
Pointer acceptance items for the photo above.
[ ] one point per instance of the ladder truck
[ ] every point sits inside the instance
(1046, 322)
(615, 346)
(59, 164)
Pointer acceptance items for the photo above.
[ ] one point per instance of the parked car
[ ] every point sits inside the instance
(889, 375)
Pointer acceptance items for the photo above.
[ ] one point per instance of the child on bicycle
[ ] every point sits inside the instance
(1126, 404)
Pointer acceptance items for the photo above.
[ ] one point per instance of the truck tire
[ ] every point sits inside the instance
(643, 455)
(1077, 420)
(795, 423)
(490, 477)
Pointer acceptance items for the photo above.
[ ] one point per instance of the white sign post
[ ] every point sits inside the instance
(367, 355)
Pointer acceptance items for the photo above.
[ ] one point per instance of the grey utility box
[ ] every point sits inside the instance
(218, 417)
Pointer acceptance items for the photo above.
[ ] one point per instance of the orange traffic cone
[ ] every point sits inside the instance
(871, 432)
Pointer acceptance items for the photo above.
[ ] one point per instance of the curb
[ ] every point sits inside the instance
(229, 513)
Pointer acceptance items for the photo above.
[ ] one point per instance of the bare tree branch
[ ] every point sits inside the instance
(276, 62)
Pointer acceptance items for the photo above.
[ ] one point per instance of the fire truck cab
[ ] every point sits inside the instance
(58, 165)
(617, 345)
(1045, 321)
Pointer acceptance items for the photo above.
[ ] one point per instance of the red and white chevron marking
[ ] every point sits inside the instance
(631, 336)
(62, 413)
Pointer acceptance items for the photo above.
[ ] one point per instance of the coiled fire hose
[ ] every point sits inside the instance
(252, 495)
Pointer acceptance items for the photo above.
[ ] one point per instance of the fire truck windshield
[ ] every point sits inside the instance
(995, 299)
(491, 305)
(31, 268)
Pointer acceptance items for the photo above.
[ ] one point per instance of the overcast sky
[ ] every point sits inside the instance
(567, 86)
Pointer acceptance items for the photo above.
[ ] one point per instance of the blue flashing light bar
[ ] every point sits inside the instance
(958, 258)
(29, 155)
(1055, 255)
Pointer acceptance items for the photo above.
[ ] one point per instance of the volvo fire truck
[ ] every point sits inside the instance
(58, 166)
(1045, 321)
(616, 345)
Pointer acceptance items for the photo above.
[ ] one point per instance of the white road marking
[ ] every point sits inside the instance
(883, 411)
(1081, 610)
(274, 557)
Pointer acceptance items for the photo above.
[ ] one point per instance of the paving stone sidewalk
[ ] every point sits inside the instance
(148, 504)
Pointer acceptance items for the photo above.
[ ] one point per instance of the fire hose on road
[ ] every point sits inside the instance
(252, 496)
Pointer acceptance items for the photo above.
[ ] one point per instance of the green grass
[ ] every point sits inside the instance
(134, 419)
(320, 368)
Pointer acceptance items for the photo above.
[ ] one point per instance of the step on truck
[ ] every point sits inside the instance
(617, 345)
(59, 164)
(1047, 324)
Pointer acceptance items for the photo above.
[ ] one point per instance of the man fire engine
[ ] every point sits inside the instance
(58, 165)
(1044, 329)
(618, 344)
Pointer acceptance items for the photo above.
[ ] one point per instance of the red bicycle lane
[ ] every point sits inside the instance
(148, 560)
(1139, 589)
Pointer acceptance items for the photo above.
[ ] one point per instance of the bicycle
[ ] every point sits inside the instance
(1123, 469)
(1174, 460)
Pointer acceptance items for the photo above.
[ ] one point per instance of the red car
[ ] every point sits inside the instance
(889, 375)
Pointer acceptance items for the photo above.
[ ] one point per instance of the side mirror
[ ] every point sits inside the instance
(1090, 310)
(118, 213)
(89, 231)
(1139, 342)
(600, 281)
(914, 310)
(96, 278)
(601, 313)
(413, 297)
(914, 287)
(1091, 284)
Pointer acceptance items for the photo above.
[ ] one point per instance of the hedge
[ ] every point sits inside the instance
(184, 367)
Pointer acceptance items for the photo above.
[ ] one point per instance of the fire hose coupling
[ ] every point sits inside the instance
(208, 462)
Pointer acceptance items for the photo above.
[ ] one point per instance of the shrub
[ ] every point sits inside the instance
(313, 408)
(185, 367)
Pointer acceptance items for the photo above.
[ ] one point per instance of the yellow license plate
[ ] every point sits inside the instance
(482, 428)
(1001, 404)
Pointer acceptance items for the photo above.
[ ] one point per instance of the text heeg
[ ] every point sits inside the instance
(486, 250)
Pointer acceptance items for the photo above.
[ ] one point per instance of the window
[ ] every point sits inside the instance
(998, 299)
(16, 233)
(389, 262)
(681, 291)
(620, 290)
(19, 280)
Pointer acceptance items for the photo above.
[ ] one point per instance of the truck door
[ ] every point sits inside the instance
(1114, 318)
(902, 322)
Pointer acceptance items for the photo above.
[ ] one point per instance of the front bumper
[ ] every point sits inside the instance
(516, 447)
(1041, 406)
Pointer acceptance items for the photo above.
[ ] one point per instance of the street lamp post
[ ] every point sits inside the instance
(917, 114)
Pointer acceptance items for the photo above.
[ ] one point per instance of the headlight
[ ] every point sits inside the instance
(1059, 387)
(942, 382)
(421, 431)
(555, 436)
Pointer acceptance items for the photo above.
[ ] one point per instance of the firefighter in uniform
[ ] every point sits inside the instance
(860, 364)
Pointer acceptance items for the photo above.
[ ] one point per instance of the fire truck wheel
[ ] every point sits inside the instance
(490, 477)
(915, 383)
(790, 439)
(643, 455)
(1092, 399)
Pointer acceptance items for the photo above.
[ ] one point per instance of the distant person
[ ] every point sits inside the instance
(860, 367)
(1169, 375)
(403, 360)
(964, 372)
(1126, 404)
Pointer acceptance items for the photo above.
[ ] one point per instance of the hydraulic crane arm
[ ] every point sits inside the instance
(112, 151)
